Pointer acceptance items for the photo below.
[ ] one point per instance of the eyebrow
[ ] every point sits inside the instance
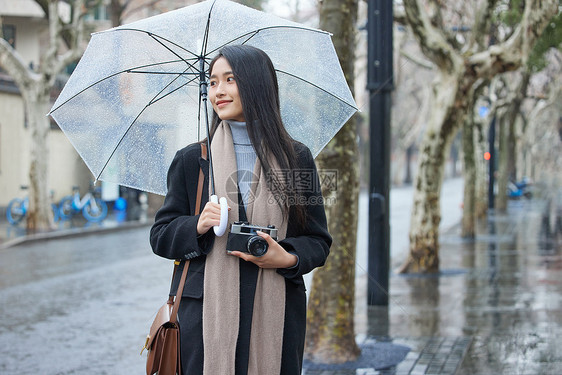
(224, 74)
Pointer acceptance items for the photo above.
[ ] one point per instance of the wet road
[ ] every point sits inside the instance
(502, 291)
(83, 305)
(80, 305)
(512, 298)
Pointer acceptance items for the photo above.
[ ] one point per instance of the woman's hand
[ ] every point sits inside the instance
(275, 257)
(210, 216)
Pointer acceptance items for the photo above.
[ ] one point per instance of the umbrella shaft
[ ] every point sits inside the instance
(203, 96)
(211, 175)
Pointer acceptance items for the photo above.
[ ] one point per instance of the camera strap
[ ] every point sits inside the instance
(241, 210)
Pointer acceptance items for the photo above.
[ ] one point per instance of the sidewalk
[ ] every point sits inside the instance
(12, 235)
(495, 307)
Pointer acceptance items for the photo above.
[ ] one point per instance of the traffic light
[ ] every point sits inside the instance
(487, 156)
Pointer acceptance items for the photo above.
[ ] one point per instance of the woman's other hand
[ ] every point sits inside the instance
(210, 216)
(275, 257)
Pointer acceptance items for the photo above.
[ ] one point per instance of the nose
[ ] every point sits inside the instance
(219, 89)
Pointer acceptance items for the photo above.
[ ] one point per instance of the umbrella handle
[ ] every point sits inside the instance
(221, 228)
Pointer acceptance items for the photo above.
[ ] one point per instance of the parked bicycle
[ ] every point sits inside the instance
(93, 208)
(18, 207)
(523, 188)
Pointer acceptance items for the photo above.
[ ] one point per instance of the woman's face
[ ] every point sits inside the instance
(223, 92)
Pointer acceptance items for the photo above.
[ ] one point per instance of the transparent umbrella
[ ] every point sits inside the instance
(135, 97)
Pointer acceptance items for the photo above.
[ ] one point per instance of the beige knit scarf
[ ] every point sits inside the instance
(221, 301)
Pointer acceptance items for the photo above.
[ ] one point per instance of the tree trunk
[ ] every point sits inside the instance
(35, 89)
(481, 184)
(508, 141)
(502, 179)
(35, 93)
(409, 152)
(116, 12)
(472, 157)
(449, 105)
(515, 108)
(40, 216)
(469, 199)
(459, 68)
(330, 336)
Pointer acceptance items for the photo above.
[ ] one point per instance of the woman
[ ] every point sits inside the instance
(242, 314)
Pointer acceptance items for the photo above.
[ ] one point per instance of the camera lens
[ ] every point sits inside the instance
(257, 246)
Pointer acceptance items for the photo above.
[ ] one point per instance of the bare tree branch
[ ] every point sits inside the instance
(117, 9)
(416, 60)
(15, 66)
(482, 25)
(53, 62)
(54, 31)
(78, 25)
(399, 15)
(435, 9)
(515, 51)
(128, 12)
(432, 40)
(435, 14)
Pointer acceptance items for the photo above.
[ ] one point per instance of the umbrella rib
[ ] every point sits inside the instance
(164, 73)
(157, 39)
(253, 33)
(152, 101)
(128, 70)
(154, 36)
(316, 86)
(206, 33)
(120, 141)
(171, 92)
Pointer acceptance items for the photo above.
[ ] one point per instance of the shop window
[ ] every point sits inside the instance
(9, 33)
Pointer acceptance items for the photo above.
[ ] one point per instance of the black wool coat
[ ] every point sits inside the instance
(174, 236)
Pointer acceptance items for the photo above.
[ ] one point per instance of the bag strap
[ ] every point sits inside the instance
(179, 291)
(201, 178)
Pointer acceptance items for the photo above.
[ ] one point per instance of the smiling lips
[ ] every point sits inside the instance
(222, 103)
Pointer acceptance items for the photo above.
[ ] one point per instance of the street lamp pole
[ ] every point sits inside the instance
(492, 163)
(380, 84)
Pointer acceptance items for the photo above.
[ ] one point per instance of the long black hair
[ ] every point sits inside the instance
(258, 88)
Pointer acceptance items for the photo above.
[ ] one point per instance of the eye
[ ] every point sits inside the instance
(230, 79)
(212, 83)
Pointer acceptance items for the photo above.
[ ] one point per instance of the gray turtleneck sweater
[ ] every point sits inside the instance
(245, 157)
(245, 161)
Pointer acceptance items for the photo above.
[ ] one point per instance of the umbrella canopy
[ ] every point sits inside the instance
(134, 99)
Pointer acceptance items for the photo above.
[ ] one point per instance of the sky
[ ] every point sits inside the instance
(287, 8)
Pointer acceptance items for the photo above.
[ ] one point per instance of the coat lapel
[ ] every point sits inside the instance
(204, 165)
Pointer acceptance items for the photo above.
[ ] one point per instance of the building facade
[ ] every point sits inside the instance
(24, 26)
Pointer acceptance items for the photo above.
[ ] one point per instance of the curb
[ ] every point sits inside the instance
(73, 232)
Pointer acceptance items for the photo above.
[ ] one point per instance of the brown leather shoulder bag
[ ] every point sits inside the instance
(163, 340)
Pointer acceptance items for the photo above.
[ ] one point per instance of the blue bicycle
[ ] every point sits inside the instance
(92, 207)
(18, 207)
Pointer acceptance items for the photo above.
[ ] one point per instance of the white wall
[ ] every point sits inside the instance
(66, 167)
(14, 148)
(27, 39)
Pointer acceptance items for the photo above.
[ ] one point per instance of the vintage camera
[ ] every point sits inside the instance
(243, 237)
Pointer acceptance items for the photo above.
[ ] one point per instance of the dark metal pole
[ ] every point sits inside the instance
(380, 85)
(492, 165)
(492, 141)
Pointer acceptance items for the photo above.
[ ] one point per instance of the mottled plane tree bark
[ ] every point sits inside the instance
(472, 172)
(516, 92)
(330, 332)
(460, 65)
